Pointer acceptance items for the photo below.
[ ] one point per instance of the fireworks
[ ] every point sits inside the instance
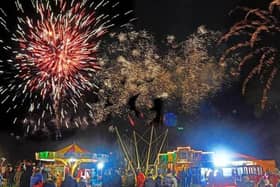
(54, 54)
(255, 37)
(56, 67)
(199, 74)
(134, 76)
(137, 74)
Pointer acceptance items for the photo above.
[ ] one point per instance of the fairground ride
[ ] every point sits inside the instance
(141, 147)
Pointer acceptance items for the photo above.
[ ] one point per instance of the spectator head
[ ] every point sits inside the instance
(138, 170)
(37, 170)
(51, 177)
(169, 170)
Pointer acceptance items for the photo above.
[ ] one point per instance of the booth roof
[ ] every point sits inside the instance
(73, 148)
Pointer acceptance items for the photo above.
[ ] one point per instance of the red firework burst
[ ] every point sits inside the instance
(58, 49)
(53, 57)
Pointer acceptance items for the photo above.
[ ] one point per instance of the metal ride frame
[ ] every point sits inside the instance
(151, 143)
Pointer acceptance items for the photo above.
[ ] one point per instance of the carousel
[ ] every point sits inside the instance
(71, 159)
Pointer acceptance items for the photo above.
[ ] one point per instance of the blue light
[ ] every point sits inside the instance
(170, 119)
(100, 165)
(222, 158)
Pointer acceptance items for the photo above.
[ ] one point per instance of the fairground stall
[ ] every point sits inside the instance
(207, 167)
(74, 160)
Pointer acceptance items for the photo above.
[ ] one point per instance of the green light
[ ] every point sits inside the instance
(163, 159)
(180, 128)
(46, 155)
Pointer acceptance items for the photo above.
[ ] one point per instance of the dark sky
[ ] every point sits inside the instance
(227, 120)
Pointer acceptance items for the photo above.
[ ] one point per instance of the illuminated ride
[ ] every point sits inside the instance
(216, 169)
(74, 160)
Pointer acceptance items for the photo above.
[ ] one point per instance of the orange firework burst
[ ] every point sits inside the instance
(257, 34)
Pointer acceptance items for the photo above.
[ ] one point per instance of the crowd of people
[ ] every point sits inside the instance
(28, 174)
(185, 178)
(24, 174)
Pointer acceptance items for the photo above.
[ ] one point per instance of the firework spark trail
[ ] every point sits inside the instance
(54, 53)
(255, 40)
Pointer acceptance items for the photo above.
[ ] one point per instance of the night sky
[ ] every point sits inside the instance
(228, 119)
